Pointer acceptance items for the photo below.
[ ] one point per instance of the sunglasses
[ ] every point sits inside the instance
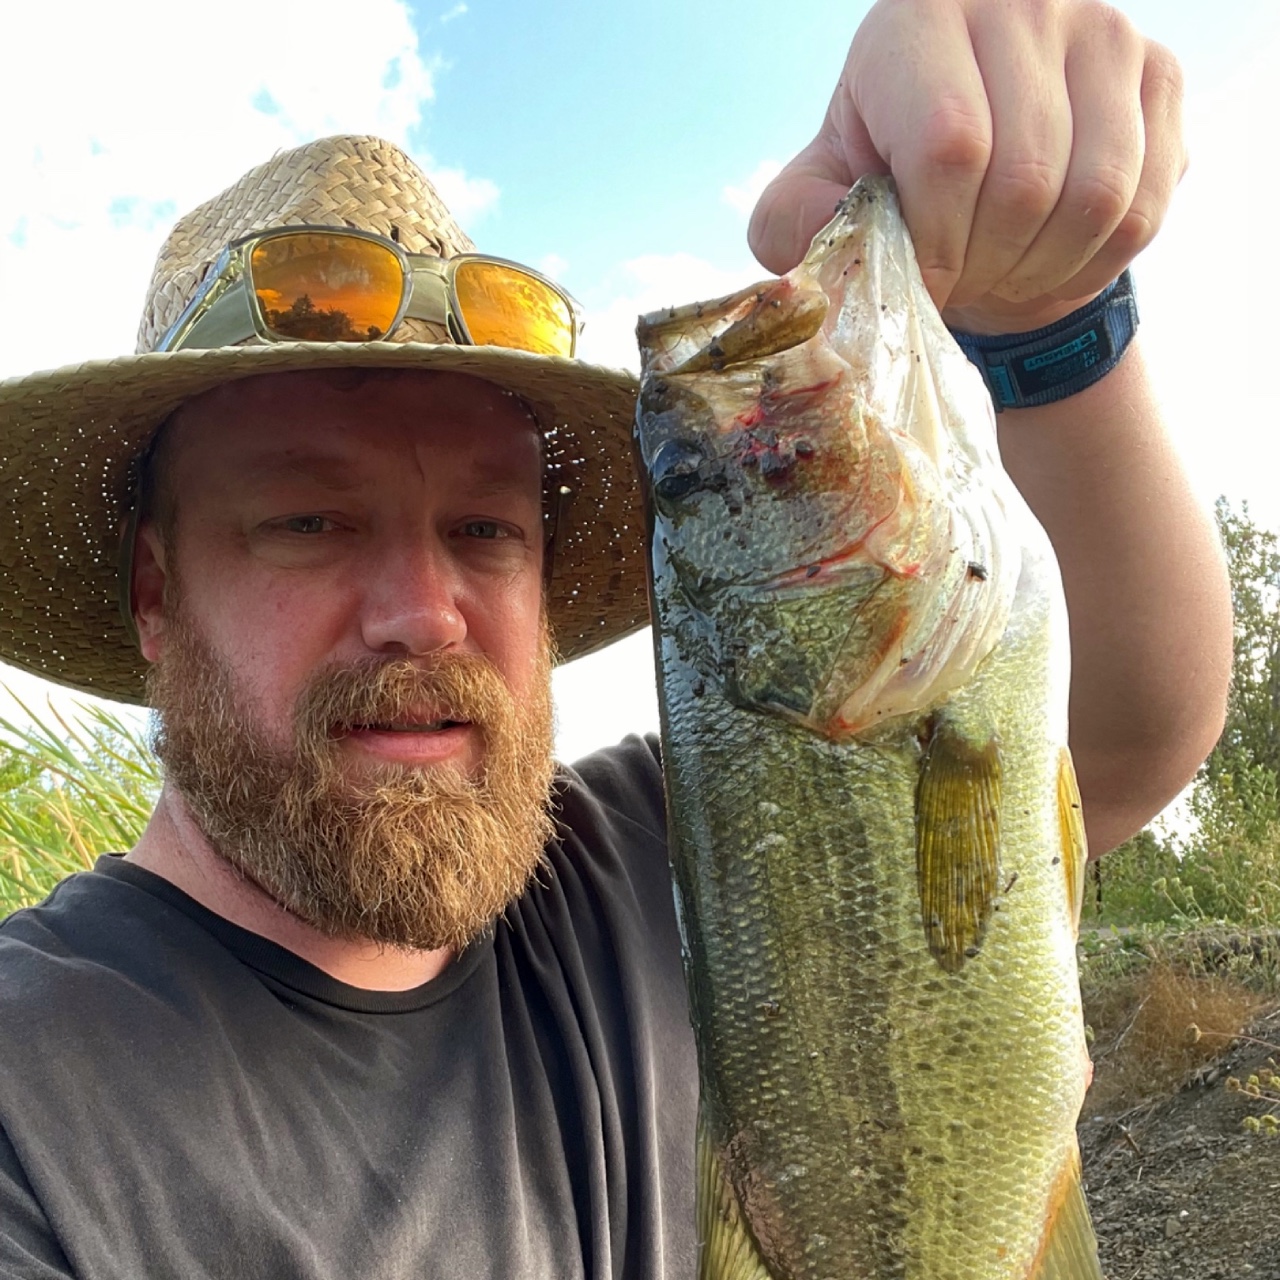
(335, 284)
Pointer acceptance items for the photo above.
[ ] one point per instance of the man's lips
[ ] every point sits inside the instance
(412, 740)
(419, 719)
(404, 726)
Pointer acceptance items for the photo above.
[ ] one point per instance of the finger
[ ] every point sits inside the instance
(927, 115)
(1022, 69)
(1164, 162)
(801, 200)
(1103, 81)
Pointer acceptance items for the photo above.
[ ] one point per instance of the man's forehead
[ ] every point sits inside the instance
(354, 392)
(324, 423)
(340, 468)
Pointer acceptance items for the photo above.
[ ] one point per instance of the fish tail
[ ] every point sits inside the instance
(726, 1250)
(1069, 1250)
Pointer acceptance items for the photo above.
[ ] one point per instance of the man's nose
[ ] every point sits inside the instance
(412, 600)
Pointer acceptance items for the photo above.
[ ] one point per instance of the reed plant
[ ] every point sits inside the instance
(72, 786)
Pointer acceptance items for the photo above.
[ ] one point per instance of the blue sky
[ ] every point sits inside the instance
(619, 125)
(613, 129)
(617, 146)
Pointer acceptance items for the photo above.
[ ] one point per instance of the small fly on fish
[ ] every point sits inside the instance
(876, 836)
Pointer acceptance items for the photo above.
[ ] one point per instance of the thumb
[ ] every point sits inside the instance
(802, 199)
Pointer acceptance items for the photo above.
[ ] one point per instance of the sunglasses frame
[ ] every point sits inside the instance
(225, 310)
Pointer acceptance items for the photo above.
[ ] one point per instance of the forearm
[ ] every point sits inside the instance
(1146, 587)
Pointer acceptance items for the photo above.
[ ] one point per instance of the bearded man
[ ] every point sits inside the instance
(380, 991)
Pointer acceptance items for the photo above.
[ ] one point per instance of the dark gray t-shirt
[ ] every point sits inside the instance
(182, 1098)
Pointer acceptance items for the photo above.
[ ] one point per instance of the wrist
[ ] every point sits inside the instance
(1058, 359)
(994, 316)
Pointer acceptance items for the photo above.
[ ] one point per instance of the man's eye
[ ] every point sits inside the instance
(306, 524)
(484, 529)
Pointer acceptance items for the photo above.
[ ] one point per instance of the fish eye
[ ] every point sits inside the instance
(676, 470)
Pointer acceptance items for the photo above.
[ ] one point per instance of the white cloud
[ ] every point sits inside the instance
(468, 198)
(644, 284)
(456, 12)
(553, 265)
(114, 119)
(744, 197)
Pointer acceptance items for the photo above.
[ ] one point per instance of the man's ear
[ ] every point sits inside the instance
(149, 577)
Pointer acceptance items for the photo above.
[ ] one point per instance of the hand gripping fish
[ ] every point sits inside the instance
(876, 834)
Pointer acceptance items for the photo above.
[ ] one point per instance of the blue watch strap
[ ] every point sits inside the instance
(1027, 369)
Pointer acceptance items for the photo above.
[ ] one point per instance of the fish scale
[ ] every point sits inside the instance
(883, 1095)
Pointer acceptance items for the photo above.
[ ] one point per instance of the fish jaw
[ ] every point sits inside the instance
(807, 459)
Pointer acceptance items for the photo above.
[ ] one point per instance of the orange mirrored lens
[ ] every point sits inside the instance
(314, 286)
(503, 306)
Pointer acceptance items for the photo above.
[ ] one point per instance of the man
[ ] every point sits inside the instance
(279, 1038)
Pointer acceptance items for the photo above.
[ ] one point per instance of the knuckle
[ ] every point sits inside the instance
(1102, 196)
(955, 137)
(1162, 73)
(1115, 28)
(1026, 188)
(1135, 231)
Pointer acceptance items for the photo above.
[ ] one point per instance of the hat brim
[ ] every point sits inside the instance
(69, 437)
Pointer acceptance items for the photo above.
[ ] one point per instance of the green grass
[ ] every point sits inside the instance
(71, 787)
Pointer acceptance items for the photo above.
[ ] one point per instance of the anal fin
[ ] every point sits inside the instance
(1069, 1250)
(726, 1250)
(957, 842)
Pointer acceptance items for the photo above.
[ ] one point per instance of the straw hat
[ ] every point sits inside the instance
(69, 437)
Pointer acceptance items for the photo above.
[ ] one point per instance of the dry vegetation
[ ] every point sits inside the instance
(1157, 1029)
(1180, 1129)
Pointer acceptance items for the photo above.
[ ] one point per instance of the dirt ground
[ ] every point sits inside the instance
(1180, 1189)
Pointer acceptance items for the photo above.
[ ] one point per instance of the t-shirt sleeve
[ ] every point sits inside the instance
(28, 1249)
(627, 778)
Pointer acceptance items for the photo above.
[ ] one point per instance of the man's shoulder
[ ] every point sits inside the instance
(623, 780)
(99, 937)
(82, 915)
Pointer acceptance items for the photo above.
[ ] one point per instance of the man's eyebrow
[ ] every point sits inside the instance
(327, 470)
(332, 471)
(500, 478)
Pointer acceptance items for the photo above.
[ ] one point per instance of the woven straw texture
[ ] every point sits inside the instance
(69, 437)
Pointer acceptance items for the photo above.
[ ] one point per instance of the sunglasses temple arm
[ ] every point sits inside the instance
(227, 321)
(124, 570)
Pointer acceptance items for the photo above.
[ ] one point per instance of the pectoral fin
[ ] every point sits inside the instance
(957, 842)
(1075, 852)
(1069, 1250)
(726, 1250)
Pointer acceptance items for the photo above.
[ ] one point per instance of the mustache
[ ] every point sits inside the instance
(457, 687)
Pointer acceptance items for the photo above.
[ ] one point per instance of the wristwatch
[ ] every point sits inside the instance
(1027, 369)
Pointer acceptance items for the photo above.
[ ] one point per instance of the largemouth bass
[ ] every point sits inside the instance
(876, 836)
